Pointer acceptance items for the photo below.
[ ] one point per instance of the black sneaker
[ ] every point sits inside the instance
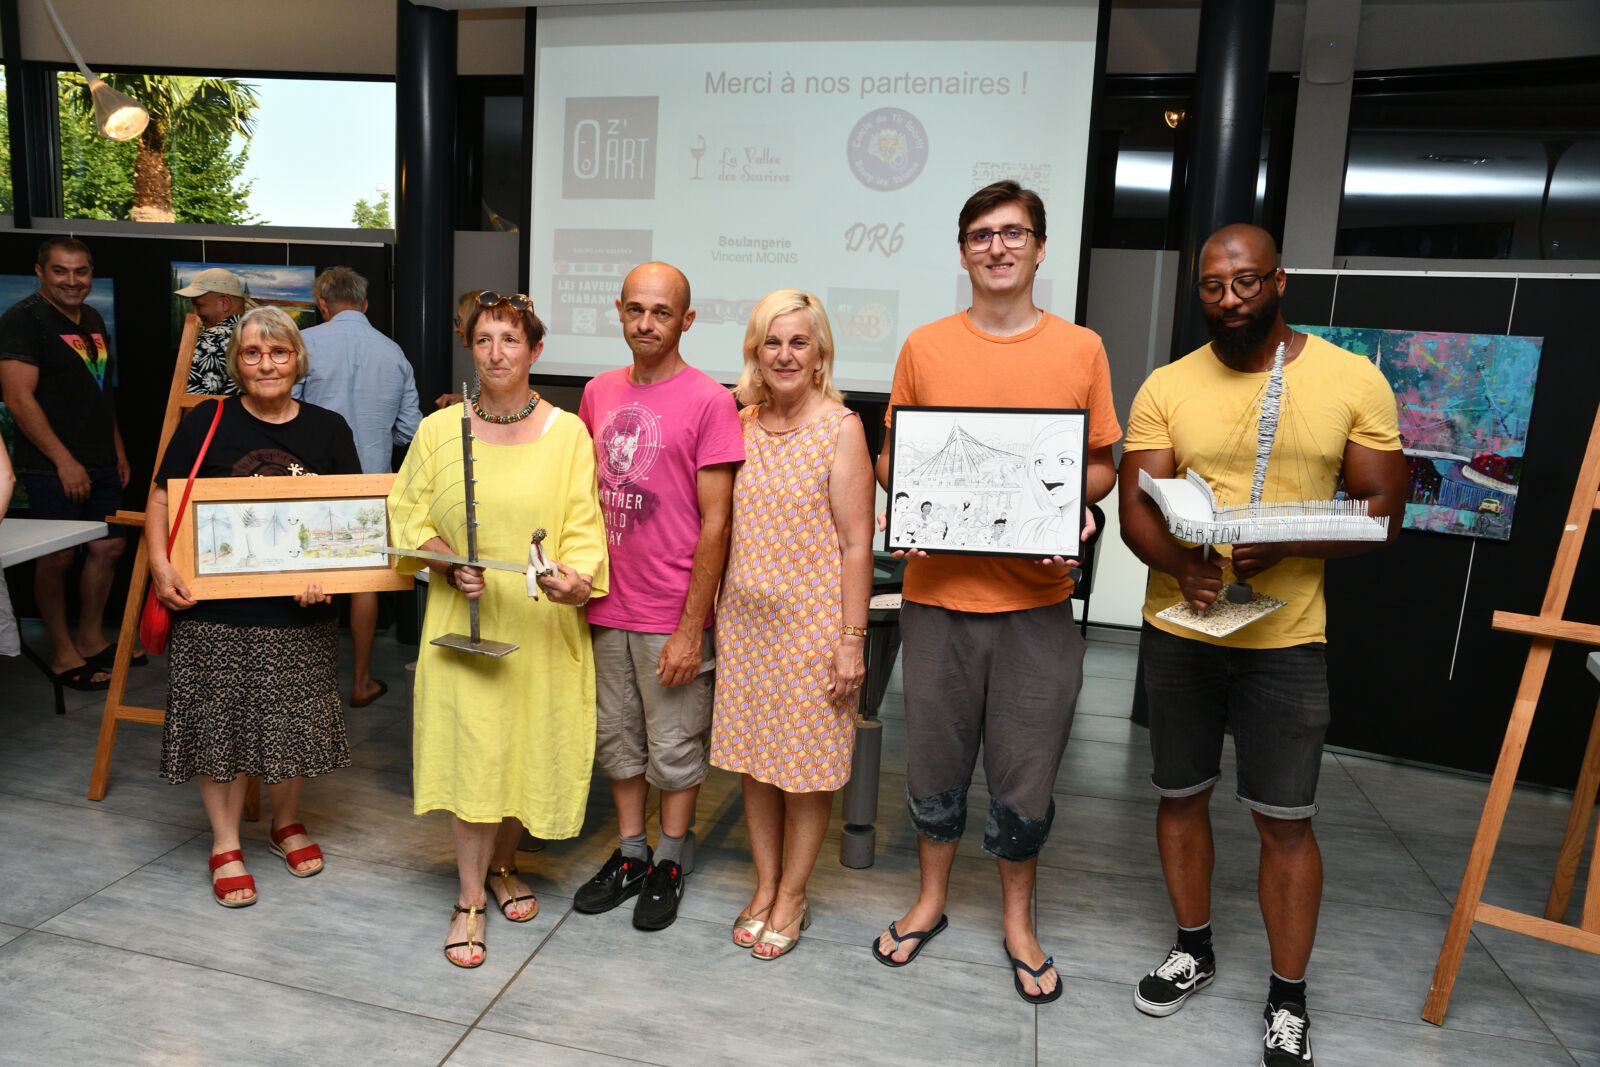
(658, 900)
(1288, 1039)
(618, 880)
(1163, 990)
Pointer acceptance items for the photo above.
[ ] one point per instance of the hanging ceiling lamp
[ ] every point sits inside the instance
(119, 116)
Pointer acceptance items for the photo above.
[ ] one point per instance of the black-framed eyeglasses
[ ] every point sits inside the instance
(519, 301)
(1010, 236)
(1245, 287)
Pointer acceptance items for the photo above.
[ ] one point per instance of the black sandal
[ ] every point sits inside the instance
(81, 677)
(1022, 990)
(472, 914)
(506, 874)
(922, 936)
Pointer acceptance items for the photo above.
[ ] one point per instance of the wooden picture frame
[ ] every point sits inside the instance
(988, 481)
(295, 531)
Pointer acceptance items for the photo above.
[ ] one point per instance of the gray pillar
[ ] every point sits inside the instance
(1322, 121)
(1224, 140)
(425, 142)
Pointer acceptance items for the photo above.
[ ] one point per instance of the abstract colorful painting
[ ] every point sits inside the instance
(1465, 400)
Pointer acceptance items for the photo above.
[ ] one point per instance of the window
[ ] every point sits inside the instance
(1136, 124)
(1497, 163)
(241, 150)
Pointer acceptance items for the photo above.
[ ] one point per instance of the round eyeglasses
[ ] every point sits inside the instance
(1245, 287)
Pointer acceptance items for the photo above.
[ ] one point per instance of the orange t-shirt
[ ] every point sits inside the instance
(953, 363)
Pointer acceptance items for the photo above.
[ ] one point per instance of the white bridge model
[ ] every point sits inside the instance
(1193, 515)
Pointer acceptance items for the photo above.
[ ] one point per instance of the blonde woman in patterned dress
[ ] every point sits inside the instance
(791, 623)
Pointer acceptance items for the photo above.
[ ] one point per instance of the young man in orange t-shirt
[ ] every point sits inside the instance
(991, 654)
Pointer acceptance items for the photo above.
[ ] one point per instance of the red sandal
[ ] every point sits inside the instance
(292, 860)
(223, 886)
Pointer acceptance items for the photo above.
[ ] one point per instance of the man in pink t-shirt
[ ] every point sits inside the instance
(667, 439)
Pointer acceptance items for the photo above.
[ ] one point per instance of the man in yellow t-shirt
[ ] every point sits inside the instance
(990, 651)
(1268, 680)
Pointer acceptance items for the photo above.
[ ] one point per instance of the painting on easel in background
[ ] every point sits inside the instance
(1465, 401)
(283, 287)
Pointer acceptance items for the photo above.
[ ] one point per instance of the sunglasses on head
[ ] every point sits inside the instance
(519, 301)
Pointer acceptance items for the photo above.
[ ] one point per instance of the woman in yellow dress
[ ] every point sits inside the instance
(503, 743)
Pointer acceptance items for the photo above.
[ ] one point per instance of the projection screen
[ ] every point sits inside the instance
(822, 148)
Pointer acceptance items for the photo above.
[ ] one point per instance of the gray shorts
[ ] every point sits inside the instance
(1007, 681)
(643, 727)
(1276, 700)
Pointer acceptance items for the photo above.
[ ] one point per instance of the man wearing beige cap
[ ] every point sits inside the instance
(219, 299)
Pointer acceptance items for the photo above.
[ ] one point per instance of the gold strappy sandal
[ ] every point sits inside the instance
(785, 945)
(506, 874)
(472, 914)
(750, 926)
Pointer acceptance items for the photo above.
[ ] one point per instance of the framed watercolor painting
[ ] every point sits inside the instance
(272, 536)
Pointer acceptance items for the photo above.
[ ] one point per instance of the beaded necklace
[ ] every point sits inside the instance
(502, 420)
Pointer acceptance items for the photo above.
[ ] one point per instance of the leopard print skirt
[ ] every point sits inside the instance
(252, 700)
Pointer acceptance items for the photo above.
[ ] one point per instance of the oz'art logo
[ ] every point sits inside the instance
(610, 148)
(887, 149)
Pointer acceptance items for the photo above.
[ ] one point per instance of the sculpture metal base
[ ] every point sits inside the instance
(483, 646)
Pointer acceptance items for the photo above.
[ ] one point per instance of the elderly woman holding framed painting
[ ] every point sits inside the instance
(791, 621)
(253, 688)
(502, 743)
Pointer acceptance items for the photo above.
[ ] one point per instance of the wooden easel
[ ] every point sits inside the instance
(179, 403)
(1546, 628)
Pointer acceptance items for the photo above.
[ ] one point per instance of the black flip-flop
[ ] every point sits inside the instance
(1022, 990)
(81, 677)
(922, 936)
(106, 658)
(383, 687)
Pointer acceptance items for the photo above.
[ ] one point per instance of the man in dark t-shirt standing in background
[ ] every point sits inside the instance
(55, 370)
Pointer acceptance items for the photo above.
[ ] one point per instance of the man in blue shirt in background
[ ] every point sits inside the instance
(364, 376)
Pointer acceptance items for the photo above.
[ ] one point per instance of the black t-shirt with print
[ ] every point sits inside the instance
(315, 441)
(75, 375)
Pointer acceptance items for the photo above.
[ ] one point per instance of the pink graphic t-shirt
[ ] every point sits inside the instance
(650, 442)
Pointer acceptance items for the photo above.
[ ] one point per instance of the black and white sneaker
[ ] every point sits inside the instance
(1288, 1039)
(618, 880)
(658, 900)
(1163, 990)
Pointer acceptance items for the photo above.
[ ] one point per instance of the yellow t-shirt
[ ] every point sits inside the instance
(1208, 414)
(950, 362)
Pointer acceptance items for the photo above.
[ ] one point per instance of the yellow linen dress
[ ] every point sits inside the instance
(514, 735)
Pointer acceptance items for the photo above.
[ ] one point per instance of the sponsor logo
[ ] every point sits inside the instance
(887, 149)
(1035, 176)
(589, 266)
(865, 321)
(745, 156)
(878, 237)
(610, 148)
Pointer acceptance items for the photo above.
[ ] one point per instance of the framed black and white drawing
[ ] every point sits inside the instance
(987, 481)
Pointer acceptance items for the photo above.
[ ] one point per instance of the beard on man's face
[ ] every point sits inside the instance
(1243, 340)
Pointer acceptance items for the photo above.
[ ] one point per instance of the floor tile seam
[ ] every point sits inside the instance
(247, 977)
(75, 806)
(557, 1044)
(509, 982)
(1319, 1009)
(38, 927)
(1399, 839)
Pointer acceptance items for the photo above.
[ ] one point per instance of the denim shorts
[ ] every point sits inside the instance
(1275, 700)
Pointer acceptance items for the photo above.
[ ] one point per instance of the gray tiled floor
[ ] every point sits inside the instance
(111, 951)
